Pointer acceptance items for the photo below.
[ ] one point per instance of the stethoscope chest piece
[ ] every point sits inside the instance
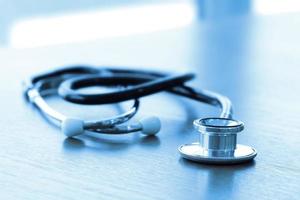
(217, 143)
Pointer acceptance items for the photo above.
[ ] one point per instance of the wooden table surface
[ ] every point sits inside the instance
(253, 60)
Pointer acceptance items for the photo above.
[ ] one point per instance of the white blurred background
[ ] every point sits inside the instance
(27, 24)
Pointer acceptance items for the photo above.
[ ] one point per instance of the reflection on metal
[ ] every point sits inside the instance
(217, 144)
(100, 24)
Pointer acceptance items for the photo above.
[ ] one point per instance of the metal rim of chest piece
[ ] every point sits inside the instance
(217, 143)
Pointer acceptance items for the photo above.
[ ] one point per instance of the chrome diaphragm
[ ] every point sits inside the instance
(217, 143)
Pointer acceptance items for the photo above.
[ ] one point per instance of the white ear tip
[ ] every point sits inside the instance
(72, 127)
(150, 125)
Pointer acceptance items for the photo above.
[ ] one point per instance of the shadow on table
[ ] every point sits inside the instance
(109, 143)
(218, 180)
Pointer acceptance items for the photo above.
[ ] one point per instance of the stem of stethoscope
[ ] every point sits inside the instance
(218, 136)
(73, 127)
(35, 98)
(148, 126)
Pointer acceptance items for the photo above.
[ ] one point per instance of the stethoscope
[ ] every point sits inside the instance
(218, 135)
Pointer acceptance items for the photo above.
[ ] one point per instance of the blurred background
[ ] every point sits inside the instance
(247, 50)
(27, 24)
